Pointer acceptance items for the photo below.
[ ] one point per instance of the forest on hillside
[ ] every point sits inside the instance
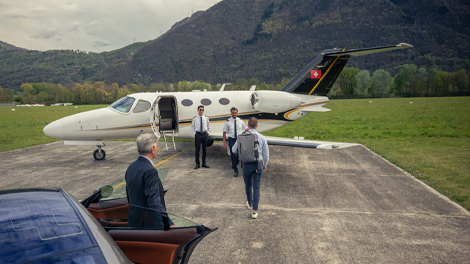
(268, 40)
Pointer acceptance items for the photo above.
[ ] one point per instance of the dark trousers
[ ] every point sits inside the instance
(234, 156)
(201, 138)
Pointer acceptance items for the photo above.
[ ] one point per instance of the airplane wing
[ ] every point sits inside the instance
(295, 142)
(308, 143)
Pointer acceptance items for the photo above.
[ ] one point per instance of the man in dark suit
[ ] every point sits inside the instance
(201, 127)
(143, 186)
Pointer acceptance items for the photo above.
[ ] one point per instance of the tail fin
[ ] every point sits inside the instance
(320, 75)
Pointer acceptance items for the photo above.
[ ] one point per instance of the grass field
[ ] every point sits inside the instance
(429, 138)
(23, 127)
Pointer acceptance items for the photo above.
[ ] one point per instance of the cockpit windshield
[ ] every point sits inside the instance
(124, 104)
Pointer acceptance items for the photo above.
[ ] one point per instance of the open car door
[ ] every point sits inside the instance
(146, 235)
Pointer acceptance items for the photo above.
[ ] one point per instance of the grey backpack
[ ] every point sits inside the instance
(248, 147)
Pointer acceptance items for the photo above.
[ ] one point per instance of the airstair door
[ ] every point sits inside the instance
(164, 118)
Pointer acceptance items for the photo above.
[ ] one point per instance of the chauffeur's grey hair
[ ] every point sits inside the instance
(145, 142)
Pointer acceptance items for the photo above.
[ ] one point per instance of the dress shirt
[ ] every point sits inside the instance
(230, 124)
(153, 164)
(262, 147)
(196, 124)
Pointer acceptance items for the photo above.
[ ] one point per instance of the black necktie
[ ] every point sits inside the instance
(235, 128)
(201, 124)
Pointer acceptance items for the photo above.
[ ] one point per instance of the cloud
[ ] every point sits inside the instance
(89, 24)
(101, 44)
(47, 35)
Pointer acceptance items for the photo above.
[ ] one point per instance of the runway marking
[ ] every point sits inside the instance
(172, 156)
(159, 163)
(119, 184)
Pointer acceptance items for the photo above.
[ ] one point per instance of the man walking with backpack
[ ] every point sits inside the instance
(254, 157)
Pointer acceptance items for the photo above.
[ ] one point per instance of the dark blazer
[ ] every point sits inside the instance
(144, 190)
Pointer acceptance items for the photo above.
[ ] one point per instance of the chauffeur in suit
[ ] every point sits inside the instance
(143, 186)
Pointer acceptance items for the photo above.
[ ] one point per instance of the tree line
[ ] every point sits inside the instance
(409, 82)
(351, 83)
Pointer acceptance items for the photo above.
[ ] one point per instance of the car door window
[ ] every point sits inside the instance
(117, 213)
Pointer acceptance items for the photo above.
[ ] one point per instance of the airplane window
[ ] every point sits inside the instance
(124, 104)
(187, 102)
(206, 101)
(224, 101)
(141, 106)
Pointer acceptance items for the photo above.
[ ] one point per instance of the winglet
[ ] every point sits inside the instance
(223, 86)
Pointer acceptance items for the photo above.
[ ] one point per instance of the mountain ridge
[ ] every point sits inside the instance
(269, 40)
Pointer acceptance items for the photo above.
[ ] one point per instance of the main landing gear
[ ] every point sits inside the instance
(99, 154)
(210, 142)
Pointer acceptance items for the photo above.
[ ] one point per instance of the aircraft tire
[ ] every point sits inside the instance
(210, 142)
(99, 156)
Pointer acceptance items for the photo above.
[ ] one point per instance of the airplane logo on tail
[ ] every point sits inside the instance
(315, 74)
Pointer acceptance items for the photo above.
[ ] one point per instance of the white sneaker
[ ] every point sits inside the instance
(254, 215)
(249, 206)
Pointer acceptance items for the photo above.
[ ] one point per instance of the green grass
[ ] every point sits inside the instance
(429, 138)
(23, 127)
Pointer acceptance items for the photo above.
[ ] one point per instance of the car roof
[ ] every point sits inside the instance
(40, 220)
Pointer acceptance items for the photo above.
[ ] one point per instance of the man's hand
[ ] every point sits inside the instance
(225, 146)
(264, 168)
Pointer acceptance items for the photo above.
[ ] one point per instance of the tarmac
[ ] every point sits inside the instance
(345, 205)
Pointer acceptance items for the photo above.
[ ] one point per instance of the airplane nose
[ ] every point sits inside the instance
(54, 130)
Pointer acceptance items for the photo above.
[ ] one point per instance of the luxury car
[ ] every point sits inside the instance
(51, 226)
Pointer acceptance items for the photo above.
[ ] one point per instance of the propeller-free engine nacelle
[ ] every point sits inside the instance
(274, 101)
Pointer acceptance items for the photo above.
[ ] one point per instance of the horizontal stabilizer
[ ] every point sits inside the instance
(315, 109)
(360, 52)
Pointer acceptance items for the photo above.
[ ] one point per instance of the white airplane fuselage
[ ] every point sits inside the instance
(272, 108)
(172, 113)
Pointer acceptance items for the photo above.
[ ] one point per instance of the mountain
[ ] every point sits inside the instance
(267, 40)
(5, 46)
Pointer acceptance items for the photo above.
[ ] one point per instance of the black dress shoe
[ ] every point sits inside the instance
(205, 165)
(197, 167)
(235, 174)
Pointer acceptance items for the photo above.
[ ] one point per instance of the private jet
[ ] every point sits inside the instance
(169, 114)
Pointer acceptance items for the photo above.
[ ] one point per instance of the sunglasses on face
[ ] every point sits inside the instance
(202, 110)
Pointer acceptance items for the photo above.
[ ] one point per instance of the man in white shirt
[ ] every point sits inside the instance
(201, 128)
(233, 127)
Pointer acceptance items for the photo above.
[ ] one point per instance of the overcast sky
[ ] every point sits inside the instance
(90, 25)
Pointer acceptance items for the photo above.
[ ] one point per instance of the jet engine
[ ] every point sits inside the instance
(274, 101)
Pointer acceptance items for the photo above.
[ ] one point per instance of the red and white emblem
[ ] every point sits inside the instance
(315, 74)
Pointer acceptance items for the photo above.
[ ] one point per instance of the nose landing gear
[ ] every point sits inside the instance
(99, 154)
